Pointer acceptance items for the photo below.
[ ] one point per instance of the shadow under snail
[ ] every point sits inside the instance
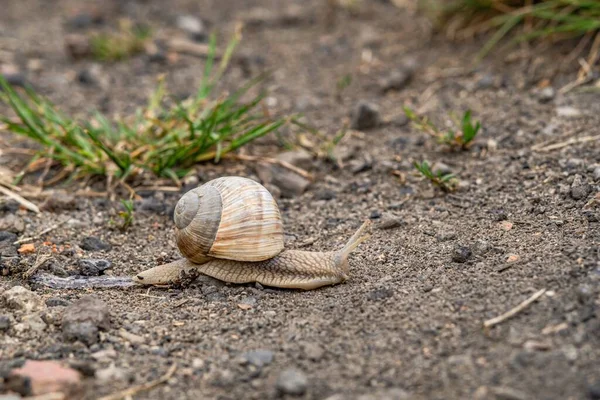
(230, 229)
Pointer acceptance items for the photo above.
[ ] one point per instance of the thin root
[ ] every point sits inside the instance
(511, 313)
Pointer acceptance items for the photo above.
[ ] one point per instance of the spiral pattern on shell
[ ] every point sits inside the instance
(231, 218)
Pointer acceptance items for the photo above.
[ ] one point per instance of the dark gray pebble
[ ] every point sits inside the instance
(594, 390)
(461, 254)
(93, 266)
(380, 294)
(92, 243)
(365, 116)
(152, 205)
(325, 194)
(258, 358)
(4, 322)
(84, 318)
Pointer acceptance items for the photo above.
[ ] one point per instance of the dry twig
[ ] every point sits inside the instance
(143, 387)
(40, 260)
(511, 313)
(566, 143)
(20, 199)
(269, 160)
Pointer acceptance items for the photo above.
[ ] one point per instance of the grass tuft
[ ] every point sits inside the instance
(446, 182)
(166, 137)
(556, 19)
(461, 139)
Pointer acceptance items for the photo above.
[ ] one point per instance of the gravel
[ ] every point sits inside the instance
(292, 381)
(84, 318)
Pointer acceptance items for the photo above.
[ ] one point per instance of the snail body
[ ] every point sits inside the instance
(230, 229)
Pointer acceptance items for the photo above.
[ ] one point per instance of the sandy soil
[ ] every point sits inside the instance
(409, 322)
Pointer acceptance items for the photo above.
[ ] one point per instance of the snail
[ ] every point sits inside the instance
(230, 229)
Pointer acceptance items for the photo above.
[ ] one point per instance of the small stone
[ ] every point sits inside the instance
(112, 374)
(22, 299)
(12, 223)
(396, 80)
(48, 377)
(375, 214)
(313, 351)
(84, 318)
(105, 355)
(380, 294)
(445, 235)
(131, 337)
(78, 46)
(365, 116)
(594, 390)
(289, 183)
(574, 163)
(567, 112)
(292, 381)
(390, 223)
(325, 194)
(92, 76)
(152, 205)
(505, 225)
(26, 248)
(499, 214)
(31, 323)
(92, 243)
(441, 169)
(7, 238)
(57, 302)
(222, 378)
(461, 254)
(7, 246)
(249, 300)
(93, 266)
(53, 316)
(360, 165)
(546, 94)
(192, 26)
(198, 363)
(386, 394)
(511, 258)
(580, 188)
(591, 216)
(298, 158)
(4, 323)
(585, 294)
(481, 247)
(258, 358)
(485, 82)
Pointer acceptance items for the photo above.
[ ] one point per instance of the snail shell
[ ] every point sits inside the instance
(230, 218)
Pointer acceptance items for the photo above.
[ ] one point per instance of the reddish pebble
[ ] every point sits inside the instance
(48, 377)
(27, 248)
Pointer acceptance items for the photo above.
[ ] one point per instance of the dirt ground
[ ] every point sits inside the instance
(409, 322)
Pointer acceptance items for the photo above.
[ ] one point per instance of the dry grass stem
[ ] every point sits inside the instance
(511, 313)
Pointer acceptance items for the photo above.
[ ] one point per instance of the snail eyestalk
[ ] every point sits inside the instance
(352, 244)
